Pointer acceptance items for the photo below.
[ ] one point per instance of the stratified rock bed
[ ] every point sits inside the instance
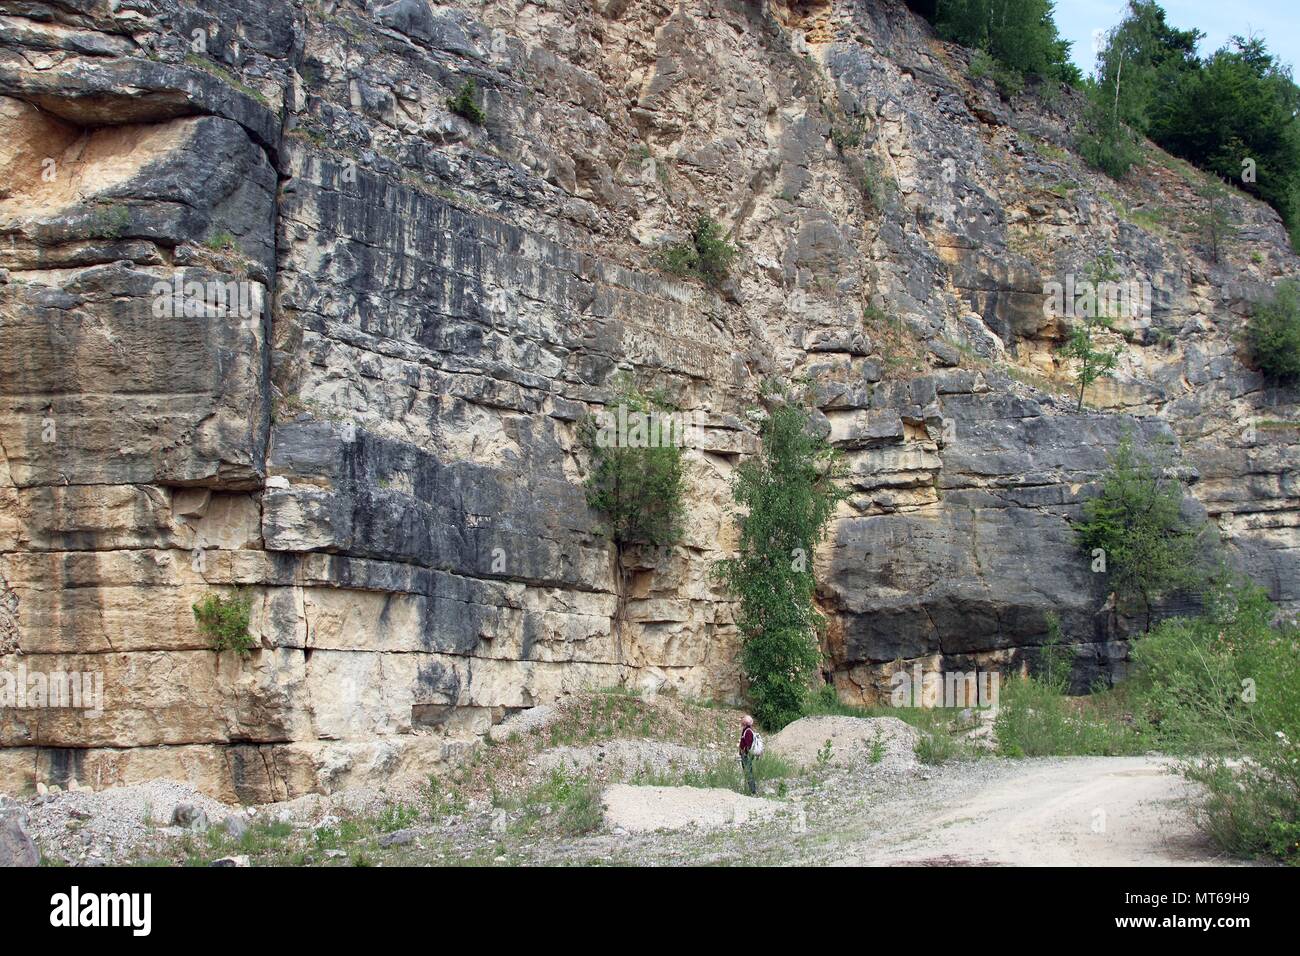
(646, 809)
(367, 414)
(852, 742)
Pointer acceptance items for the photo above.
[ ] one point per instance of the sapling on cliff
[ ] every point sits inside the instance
(788, 494)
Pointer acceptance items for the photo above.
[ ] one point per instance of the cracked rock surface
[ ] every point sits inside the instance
(357, 399)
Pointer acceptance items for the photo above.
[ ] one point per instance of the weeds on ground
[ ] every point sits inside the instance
(1036, 718)
(723, 772)
(568, 804)
(1223, 689)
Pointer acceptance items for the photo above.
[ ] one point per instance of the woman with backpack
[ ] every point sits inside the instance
(751, 746)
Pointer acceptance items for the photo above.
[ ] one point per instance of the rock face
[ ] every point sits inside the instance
(276, 319)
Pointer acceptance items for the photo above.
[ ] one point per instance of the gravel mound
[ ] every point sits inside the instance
(97, 827)
(852, 741)
(524, 722)
(622, 757)
(645, 809)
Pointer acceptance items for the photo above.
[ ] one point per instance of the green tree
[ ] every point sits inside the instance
(1240, 106)
(1213, 221)
(788, 493)
(636, 478)
(1136, 520)
(1274, 333)
(1091, 361)
(1142, 57)
(636, 468)
(1020, 34)
(1233, 114)
(465, 104)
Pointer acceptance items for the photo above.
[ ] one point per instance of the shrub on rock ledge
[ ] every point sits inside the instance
(225, 622)
(1274, 333)
(707, 255)
(463, 104)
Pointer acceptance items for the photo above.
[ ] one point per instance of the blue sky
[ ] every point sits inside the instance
(1274, 20)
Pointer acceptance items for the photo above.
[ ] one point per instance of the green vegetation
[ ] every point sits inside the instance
(221, 241)
(1224, 689)
(1136, 524)
(464, 103)
(224, 620)
(1009, 82)
(1240, 105)
(877, 185)
(1036, 718)
(1018, 37)
(221, 73)
(724, 771)
(846, 137)
(1274, 333)
(1142, 56)
(1091, 361)
(636, 468)
(706, 255)
(569, 804)
(788, 494)
(1233, 113)
(111, 221)
(1213, 221)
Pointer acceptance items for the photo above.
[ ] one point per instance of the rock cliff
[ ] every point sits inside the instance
(275, 317)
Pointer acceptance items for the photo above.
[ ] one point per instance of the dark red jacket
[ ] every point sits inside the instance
(746, 739)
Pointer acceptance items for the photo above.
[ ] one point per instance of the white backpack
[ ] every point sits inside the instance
(756, 749)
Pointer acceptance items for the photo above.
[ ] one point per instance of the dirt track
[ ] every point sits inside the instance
(1090, 811)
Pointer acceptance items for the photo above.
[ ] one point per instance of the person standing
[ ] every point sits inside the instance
(746, 752)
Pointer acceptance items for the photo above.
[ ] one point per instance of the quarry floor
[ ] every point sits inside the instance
(514, 805)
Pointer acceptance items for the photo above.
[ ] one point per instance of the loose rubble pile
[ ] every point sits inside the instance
(885, 744)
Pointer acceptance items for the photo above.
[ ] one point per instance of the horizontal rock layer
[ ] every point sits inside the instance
(277, 320)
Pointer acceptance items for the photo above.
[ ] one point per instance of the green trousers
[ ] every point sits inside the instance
(747, 765)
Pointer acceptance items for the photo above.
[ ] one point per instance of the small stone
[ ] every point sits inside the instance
(191, 817)
(234, 826)
(397, 838)
(239, 861)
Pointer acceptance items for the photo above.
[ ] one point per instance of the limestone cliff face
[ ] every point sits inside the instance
(370, 420)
